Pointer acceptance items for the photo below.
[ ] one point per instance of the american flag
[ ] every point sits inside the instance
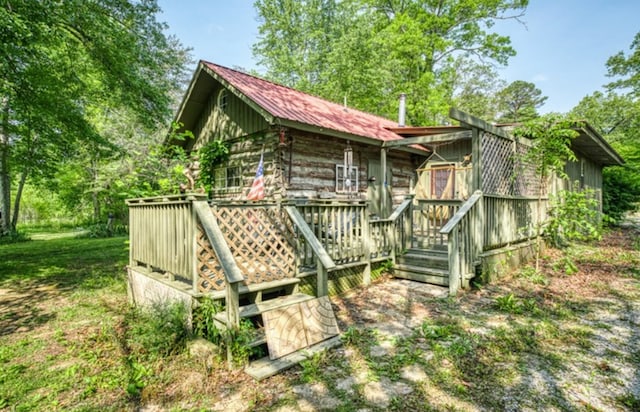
(257, 188)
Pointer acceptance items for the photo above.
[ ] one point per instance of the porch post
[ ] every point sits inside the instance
(476, 160)
(383, 183)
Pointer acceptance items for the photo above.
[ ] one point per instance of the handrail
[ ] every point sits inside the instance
(216, 239)
(400, 210)
(453, 222)
(310, 237)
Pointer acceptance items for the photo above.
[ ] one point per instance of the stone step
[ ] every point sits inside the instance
(265, 367)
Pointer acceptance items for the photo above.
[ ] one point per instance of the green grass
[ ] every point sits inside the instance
(70, 341)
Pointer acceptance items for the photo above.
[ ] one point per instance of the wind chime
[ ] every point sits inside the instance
(348, 164)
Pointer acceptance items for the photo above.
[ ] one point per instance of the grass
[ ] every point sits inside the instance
(539, 340)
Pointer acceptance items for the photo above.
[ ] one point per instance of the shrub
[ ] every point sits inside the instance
(160, 330)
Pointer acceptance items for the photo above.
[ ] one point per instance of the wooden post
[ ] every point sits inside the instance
(476, 160)
(383, 183)
(194, 251)
(322, 281)
(233, 316)
(366, 240)
(454, 262)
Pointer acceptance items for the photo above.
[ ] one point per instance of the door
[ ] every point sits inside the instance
(377, 188)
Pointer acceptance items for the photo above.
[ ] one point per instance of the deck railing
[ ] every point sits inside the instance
(339, 226)
(429, 216)
(162, 232)
(464, 241)
(511, 219)
(393, 235)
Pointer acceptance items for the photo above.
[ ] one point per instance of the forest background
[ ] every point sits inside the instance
(87, 91)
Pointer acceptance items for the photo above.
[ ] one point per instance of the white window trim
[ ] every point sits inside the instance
(340, 180)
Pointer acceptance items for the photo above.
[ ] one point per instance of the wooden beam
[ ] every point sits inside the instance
(472, 121)
(430, 139)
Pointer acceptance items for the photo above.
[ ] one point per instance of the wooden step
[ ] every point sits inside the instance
(436, 261)
(258, 287)
(256, 309)
(265, 367)
(422, 274)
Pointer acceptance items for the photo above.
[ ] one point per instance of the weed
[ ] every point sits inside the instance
(509, 303)
(204, 324)
(358, 337)
(530, 273)
(630, 401)
(566, 264)
(312, 367)
(158, 331)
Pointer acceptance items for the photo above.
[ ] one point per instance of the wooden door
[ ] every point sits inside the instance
(377, 188)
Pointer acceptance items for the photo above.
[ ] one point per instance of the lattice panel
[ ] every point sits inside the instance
(210, 273)
(260, 239)
(503, 171)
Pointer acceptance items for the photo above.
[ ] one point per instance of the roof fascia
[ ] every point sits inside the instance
(603, 144)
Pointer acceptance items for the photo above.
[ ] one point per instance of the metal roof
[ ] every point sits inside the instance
(286, 104)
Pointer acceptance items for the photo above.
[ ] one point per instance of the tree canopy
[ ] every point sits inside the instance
(370, 51)
(68, 68)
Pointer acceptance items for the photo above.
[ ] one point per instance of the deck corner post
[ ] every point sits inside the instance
(194, 248)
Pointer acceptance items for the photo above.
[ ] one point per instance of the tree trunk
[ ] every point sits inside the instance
(16, 202)
(5, 178)
(94, 192)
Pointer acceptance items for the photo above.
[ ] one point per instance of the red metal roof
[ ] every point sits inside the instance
(289, 104)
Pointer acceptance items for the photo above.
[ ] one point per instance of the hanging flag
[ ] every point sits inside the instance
(257, 188)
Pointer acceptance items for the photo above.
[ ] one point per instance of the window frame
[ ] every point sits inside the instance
(340, 179)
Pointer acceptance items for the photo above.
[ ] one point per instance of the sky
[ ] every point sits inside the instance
(562, 45)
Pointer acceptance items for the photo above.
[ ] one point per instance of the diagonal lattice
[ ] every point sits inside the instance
(504, 171)
(260, 239)
(210, 272)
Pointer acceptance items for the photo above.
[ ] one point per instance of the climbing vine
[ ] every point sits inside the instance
(211, 155)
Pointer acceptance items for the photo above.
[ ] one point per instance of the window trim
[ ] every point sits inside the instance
(340, 179)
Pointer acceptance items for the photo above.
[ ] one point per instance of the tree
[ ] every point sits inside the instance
(626, 69)
(65, 61)
(551, 136)
(372, 50)
(477, 88)
(519, 102)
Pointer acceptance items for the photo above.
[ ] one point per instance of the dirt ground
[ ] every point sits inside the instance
(569, 340)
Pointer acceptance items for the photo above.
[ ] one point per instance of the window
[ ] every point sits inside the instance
(222, 100)
(227, 177)
(346, 182)
(443, 182)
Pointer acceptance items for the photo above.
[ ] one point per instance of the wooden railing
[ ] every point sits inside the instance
(429, 216)
(510, 219)
(339, 226)
(162, 232)
(393, 235)
(464, 241)
(323, 261)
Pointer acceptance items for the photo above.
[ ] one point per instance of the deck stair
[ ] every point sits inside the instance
(424, 265)
(256, 300)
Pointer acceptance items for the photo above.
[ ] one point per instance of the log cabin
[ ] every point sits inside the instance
(343, 191)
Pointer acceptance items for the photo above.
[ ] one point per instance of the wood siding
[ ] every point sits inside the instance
(236, 120)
